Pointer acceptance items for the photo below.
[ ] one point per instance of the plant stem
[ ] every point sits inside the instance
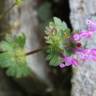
(31, 52)
(34, 51)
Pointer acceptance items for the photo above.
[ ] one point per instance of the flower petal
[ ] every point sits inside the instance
(76, 37)
(62, 65)
(86, 54)
(70, 61)
(86, 34)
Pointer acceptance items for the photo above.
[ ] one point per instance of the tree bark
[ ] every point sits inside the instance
(84, 75)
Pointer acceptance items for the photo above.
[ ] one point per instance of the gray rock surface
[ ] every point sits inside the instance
(84, 75)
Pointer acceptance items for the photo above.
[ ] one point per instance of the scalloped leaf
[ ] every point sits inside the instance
(13, 58)
(57, 35)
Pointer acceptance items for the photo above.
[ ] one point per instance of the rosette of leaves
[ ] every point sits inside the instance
(57, 35)
(13, 59)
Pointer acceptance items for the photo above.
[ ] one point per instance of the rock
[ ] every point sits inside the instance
(84, 75)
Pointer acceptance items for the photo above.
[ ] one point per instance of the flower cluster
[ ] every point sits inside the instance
(62, 44)
(84, 54)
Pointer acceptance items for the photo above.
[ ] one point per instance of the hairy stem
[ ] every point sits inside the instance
(34, 51)
(29, 53)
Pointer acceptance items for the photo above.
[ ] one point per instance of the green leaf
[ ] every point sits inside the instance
(13, 58)
(21, 40)
(57, 21)
(54, 61)
(57, 35)
(60, 24)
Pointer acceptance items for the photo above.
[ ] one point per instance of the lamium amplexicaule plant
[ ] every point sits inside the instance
(13, 56)
(61, 45)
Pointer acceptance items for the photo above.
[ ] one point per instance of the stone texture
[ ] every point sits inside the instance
(84, 76)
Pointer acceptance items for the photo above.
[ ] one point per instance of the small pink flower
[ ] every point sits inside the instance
(62, 65)
(68, 61)
(86, 54)
(76, 37)
(79, 50)
(93, 52)
(85, 34)
(82, 34)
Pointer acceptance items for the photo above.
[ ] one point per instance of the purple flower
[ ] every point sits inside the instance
(62, 65)
(83, 54)
(68, 61)
(76, 37)
(80, 52)
(86, 34)
(93, 52)
(86, 54)
(83, 34)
